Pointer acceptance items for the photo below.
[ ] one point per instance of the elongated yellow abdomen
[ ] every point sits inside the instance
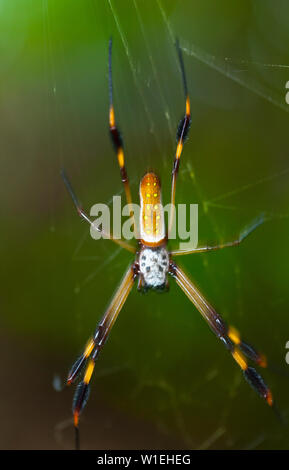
(152, 223)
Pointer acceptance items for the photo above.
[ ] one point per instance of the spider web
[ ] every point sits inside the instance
(153, 361)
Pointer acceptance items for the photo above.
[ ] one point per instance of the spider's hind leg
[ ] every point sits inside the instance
(228, 335)
(96, 344)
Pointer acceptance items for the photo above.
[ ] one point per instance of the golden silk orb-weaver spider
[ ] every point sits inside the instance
(153, 263)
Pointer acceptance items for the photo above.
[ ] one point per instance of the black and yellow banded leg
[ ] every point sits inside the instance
(182, 133)
(228, 335)
(239, 350)
(246, 348)
(96, 343)
(117, 138)
(80, 362)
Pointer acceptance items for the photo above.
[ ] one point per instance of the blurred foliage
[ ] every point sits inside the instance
(162, 365)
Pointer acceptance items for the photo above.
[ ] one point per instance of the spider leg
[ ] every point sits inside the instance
(244, 234)
(117, 138)
(96, 343)
(228, 335)
(84, 216)
(182, 133)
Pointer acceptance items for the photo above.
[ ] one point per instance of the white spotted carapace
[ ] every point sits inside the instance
(153, 267)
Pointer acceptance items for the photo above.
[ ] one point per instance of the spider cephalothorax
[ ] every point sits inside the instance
(153, 267)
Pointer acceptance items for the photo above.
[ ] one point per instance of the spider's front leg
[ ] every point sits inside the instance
(96, 343)
(182, 134)
(228, 335)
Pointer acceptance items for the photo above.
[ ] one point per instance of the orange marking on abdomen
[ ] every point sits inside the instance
(152, 224)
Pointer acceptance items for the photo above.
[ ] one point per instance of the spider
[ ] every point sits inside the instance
(153, 263)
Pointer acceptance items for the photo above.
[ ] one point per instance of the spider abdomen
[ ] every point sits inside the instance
(153, 267)
(152, 221)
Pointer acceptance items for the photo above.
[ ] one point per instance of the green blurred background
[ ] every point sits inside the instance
(163, 380)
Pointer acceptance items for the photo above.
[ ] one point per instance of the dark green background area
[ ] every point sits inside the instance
(163, 379)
